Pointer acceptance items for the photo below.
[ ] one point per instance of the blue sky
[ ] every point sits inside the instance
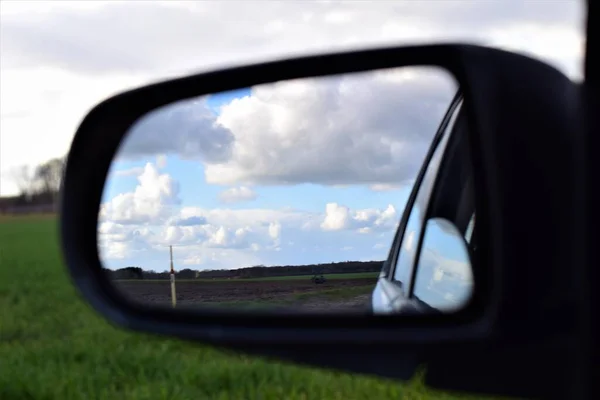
(325, 247)
(217, 100)
(283, 224)
(310, 197)
(195, 191)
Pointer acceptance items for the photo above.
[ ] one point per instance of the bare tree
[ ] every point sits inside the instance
(24, 178)
(42, 183)
(48, 177)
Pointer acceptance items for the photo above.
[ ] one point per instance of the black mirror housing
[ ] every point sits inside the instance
(514, 105)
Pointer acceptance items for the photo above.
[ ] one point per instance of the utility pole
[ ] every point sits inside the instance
(172, 273)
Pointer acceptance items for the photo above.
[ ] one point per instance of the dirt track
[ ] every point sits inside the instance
(291, 293)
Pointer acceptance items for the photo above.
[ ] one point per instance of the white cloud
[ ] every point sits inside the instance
(245, 217)
(339, 217)
(237, 194)
(219, 237)
(275, 231)
(383, 187)
(439, 275)
(186, 128)
(192, 260)
(138, 226)
(444, 271)
(135, 171)
(347, 130)
(61, 58)
(120, 242)
(336, 217)
(62, 34)
(151, 200)
(161, 161)
(203, 258)
(360, 128)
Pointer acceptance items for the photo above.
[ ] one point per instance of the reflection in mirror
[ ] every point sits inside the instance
(444, 277)
(280, 195)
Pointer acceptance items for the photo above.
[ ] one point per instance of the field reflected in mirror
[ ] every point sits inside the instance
(285, 195)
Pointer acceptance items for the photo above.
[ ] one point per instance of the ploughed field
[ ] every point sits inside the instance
(337, 293)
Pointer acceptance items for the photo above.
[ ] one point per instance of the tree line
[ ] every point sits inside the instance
(38, 186)
(259, 271)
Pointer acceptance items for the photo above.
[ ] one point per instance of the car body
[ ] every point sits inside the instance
(405, 283)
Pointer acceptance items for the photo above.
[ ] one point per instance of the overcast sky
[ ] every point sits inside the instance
(58, 59)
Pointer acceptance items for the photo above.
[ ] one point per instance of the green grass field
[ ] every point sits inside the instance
(53, 346)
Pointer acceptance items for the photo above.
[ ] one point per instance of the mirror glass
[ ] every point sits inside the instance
(282, 195)
(444, 277)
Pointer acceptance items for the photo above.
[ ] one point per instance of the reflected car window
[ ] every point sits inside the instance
(470, 227)
(444, 277)
(406, 256)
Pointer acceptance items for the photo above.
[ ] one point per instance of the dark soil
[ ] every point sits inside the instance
(293, 294)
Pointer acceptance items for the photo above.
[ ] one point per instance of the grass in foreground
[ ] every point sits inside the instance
(34, 217)
(53, 346)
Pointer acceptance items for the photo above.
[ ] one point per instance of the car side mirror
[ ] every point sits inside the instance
(444, 275)
(511, 106)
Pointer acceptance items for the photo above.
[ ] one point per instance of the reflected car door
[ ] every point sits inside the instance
(442, 278)
(391, 293)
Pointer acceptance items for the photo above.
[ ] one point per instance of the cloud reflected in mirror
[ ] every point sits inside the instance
(444, 279)
(280, 195)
